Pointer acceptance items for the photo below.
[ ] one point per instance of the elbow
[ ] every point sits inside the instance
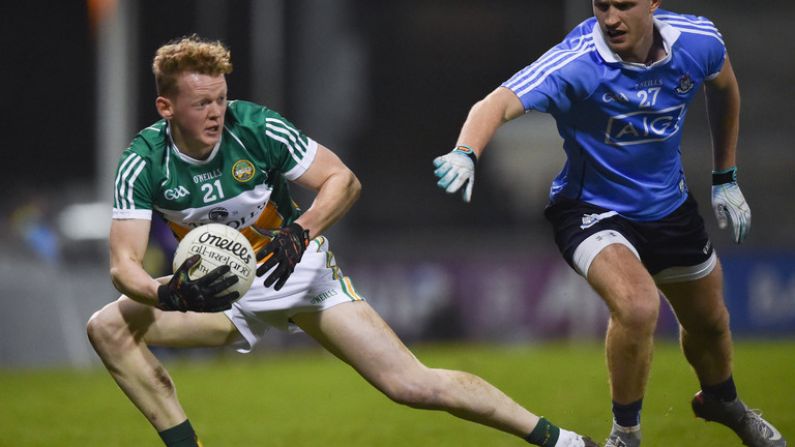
(115, 278)
(499, 107)
(479, 107)
(354, 187)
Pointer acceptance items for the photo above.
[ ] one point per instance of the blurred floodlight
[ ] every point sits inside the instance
(85, 221)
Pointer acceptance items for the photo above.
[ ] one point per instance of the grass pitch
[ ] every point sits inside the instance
(311, 399)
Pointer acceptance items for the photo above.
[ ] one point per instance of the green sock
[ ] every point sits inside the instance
(545, 434)
(181, 435)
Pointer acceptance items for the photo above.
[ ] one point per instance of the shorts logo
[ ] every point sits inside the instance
(589, 220)
(601, 237)
(176, 193)
(644, 126)
(685, 84)
(243, 171)
(317, 299)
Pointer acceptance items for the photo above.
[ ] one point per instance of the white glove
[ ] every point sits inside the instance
(456, 168)
(730, 205)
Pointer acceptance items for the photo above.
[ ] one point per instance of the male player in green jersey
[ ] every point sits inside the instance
(214, 160)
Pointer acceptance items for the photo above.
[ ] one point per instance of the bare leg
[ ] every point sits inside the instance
(356, 334)
(704, 325)
(120, 333)
(634, 302)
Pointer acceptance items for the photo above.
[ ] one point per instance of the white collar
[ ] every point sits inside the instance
(187, 158)
(668, 33)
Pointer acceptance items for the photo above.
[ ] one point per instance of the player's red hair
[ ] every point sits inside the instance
(188, 54)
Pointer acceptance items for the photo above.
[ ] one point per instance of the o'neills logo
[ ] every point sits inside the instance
(226, 244)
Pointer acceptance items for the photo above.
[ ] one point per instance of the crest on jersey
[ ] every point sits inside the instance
(243, 171)
(685, 84)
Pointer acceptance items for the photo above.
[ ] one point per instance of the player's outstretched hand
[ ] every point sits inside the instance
(456, 168)
(198, 295)
(284, 251)
(729, 204)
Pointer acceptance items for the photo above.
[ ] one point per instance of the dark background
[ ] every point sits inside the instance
(387, 86)
(423, 65)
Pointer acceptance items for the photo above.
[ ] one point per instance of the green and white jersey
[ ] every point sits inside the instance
(242, 183)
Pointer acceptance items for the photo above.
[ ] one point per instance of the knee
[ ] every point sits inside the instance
(411, 391)
(105, 328)
(638, 315)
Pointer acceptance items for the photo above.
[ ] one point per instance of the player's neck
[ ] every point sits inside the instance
(657, 49)
(196, 151)
(648, 51)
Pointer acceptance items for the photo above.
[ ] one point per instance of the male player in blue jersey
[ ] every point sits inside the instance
(618, 86)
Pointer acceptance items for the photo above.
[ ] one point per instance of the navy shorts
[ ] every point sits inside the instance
(674, 248)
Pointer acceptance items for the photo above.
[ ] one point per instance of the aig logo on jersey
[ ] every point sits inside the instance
(243, 171)
(176, 193)
(644, 126)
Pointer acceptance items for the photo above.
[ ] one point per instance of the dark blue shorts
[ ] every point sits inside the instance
(676, 245)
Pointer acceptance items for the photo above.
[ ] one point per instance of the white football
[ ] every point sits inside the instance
(217, 245)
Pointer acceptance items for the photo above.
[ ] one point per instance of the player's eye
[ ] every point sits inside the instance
(625, 6)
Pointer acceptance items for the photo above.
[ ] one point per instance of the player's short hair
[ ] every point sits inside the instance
(188, 54)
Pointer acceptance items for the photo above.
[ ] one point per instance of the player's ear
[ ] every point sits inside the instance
(654, 5)
(165, 107)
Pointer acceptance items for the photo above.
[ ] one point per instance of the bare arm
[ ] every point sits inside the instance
(457, 168)
(723, 111)
(337, 189)
(486, 116)
(128, 242)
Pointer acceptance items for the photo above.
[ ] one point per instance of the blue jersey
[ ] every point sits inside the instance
(622, 122)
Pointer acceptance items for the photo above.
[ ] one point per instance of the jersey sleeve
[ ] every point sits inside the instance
(715, 48)
(132, 197)
(292, 152)
(703, 40)
(559, 77)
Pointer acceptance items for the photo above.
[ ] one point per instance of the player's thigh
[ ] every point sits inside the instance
(698, 302)
(169, 329)
(619, 277)
(356, 334)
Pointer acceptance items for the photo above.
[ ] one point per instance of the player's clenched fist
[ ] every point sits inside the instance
(198, 295)
(283, 251)
(456, 168)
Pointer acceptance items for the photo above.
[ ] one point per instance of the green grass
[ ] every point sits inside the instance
(311, 399)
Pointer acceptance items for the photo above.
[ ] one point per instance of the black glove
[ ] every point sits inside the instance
(199, 295)
(285, 249)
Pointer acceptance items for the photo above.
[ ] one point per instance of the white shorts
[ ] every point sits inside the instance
(315, 285)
